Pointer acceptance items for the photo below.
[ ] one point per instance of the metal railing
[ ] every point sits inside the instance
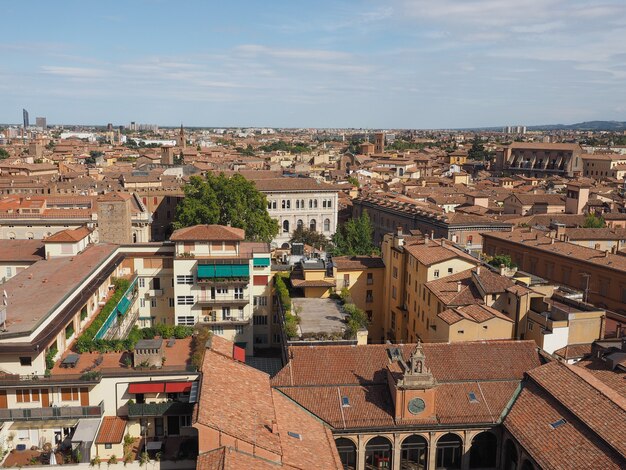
(52, 412)
(174, 408)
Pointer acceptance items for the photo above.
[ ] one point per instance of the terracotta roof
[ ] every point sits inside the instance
(228, 458)
(531, 199)
(542, 242)
(358, 262)
(545, 146)
(69, 235)
(248, 407)
(111, 430)
(363, 365)
(475, 313)
(287, 184)
(436, 251)
(574, 351)
(595, 419)
(208, 233)
(21, 250)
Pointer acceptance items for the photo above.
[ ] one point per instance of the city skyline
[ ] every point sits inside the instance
(351, 64)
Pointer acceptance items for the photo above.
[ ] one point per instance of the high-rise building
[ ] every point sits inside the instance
(41, 122)
(25, 115)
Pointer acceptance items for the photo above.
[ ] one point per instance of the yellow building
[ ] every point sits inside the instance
(410, 263)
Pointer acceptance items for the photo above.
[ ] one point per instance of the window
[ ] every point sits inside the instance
(259, 301)
(156, 283)
(26, 361)
(69, 394)
(393, 292)
(450, 270)
(239, 329)
(153, 302)
(142, 302)
(370, 279)
(276, 338)
(346, 280)
(312, 225)
(9, 272)
(142, 282)
(369, 296)
(370, 314)
(186, 320)
(393, 320)
(530, 326)
(327, 225)
(241, 313)
(239, 293)
(226, 313)
(286, 204)
(395, 272)
(299, 224)
(285, 226)
(108, 446)
(184, 279)
(260, 319)
(185, 420)
(218, 330)
(184, 300)
(436, 273)
(171, 299)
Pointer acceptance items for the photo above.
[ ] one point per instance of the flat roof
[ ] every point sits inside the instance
(319, 315)
(34, 293)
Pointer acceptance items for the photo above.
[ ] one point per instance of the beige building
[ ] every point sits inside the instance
(604, 165)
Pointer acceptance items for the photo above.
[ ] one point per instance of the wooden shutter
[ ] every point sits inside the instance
(84, 396)
(45, 398)
(3, 399)
(66, 394)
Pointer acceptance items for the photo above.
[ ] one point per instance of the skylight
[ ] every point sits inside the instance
(295, 435)
(345, 401)
(472, 397)
(558, 423)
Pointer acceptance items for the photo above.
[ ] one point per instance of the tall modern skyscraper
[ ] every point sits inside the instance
(25, 114)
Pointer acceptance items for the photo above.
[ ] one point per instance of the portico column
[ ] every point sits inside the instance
(395, 464)
(465, 456)
(432, 451)
(360, 453)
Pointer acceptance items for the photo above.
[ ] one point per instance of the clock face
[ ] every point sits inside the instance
(416, 406)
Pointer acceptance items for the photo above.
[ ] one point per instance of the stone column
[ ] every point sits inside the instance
(360, 453)
(432, 451)
(465, 453)
(395, 464)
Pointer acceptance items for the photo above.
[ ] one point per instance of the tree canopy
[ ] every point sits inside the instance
(594, 221)
(309, 237)
(218, 199)
(3, 154)
(477, 152)
(354, 238)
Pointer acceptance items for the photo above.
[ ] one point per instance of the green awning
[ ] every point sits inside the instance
(261, 262)
(223, 270)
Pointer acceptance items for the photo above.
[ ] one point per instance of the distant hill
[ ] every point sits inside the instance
(583, 126)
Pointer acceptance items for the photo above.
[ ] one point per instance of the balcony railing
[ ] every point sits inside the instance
(168, 408)
(124, 305)
(231, 300)
(53, 412)
(27, 380)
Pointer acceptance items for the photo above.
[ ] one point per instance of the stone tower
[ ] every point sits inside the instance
(379, 142)
(180, 140)
(114, 218)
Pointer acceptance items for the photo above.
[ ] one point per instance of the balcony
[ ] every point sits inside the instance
(167, 408)
(53, 412)
(217, 319)
(225, 282)
(123, 306)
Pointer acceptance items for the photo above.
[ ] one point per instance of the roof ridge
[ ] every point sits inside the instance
(600, 386)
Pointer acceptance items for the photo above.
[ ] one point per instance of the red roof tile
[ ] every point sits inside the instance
(111, 430)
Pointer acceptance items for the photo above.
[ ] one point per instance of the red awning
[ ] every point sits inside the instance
(178, 387)
(239, 354)
(260, 280)
(147, 387)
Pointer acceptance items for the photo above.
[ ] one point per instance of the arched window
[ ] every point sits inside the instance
(326, 225)
(510, 456)
(347, 453)
(299, 223)
(414, 453)
(449, 451)
(483, 451)
(134, 237)
(285, 226)
(312, 225)
(378, 454)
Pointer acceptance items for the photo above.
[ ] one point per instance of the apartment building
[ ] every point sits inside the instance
(223, 281)
(600, 274)
(604, 165)
(540, 159)
(411, 262)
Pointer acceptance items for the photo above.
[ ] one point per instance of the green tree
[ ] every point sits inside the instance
(354, 181)
(309, 237)
(500, 260)
(354, 238)
(477, 152)
(3, 154)
(594, 221)
(218, 199)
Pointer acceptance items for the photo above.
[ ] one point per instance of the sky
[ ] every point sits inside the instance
(420, 64)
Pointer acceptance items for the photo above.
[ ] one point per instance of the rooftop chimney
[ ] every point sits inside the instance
(478, 270)
(441, 241)
(399, 231)
(458, 286)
